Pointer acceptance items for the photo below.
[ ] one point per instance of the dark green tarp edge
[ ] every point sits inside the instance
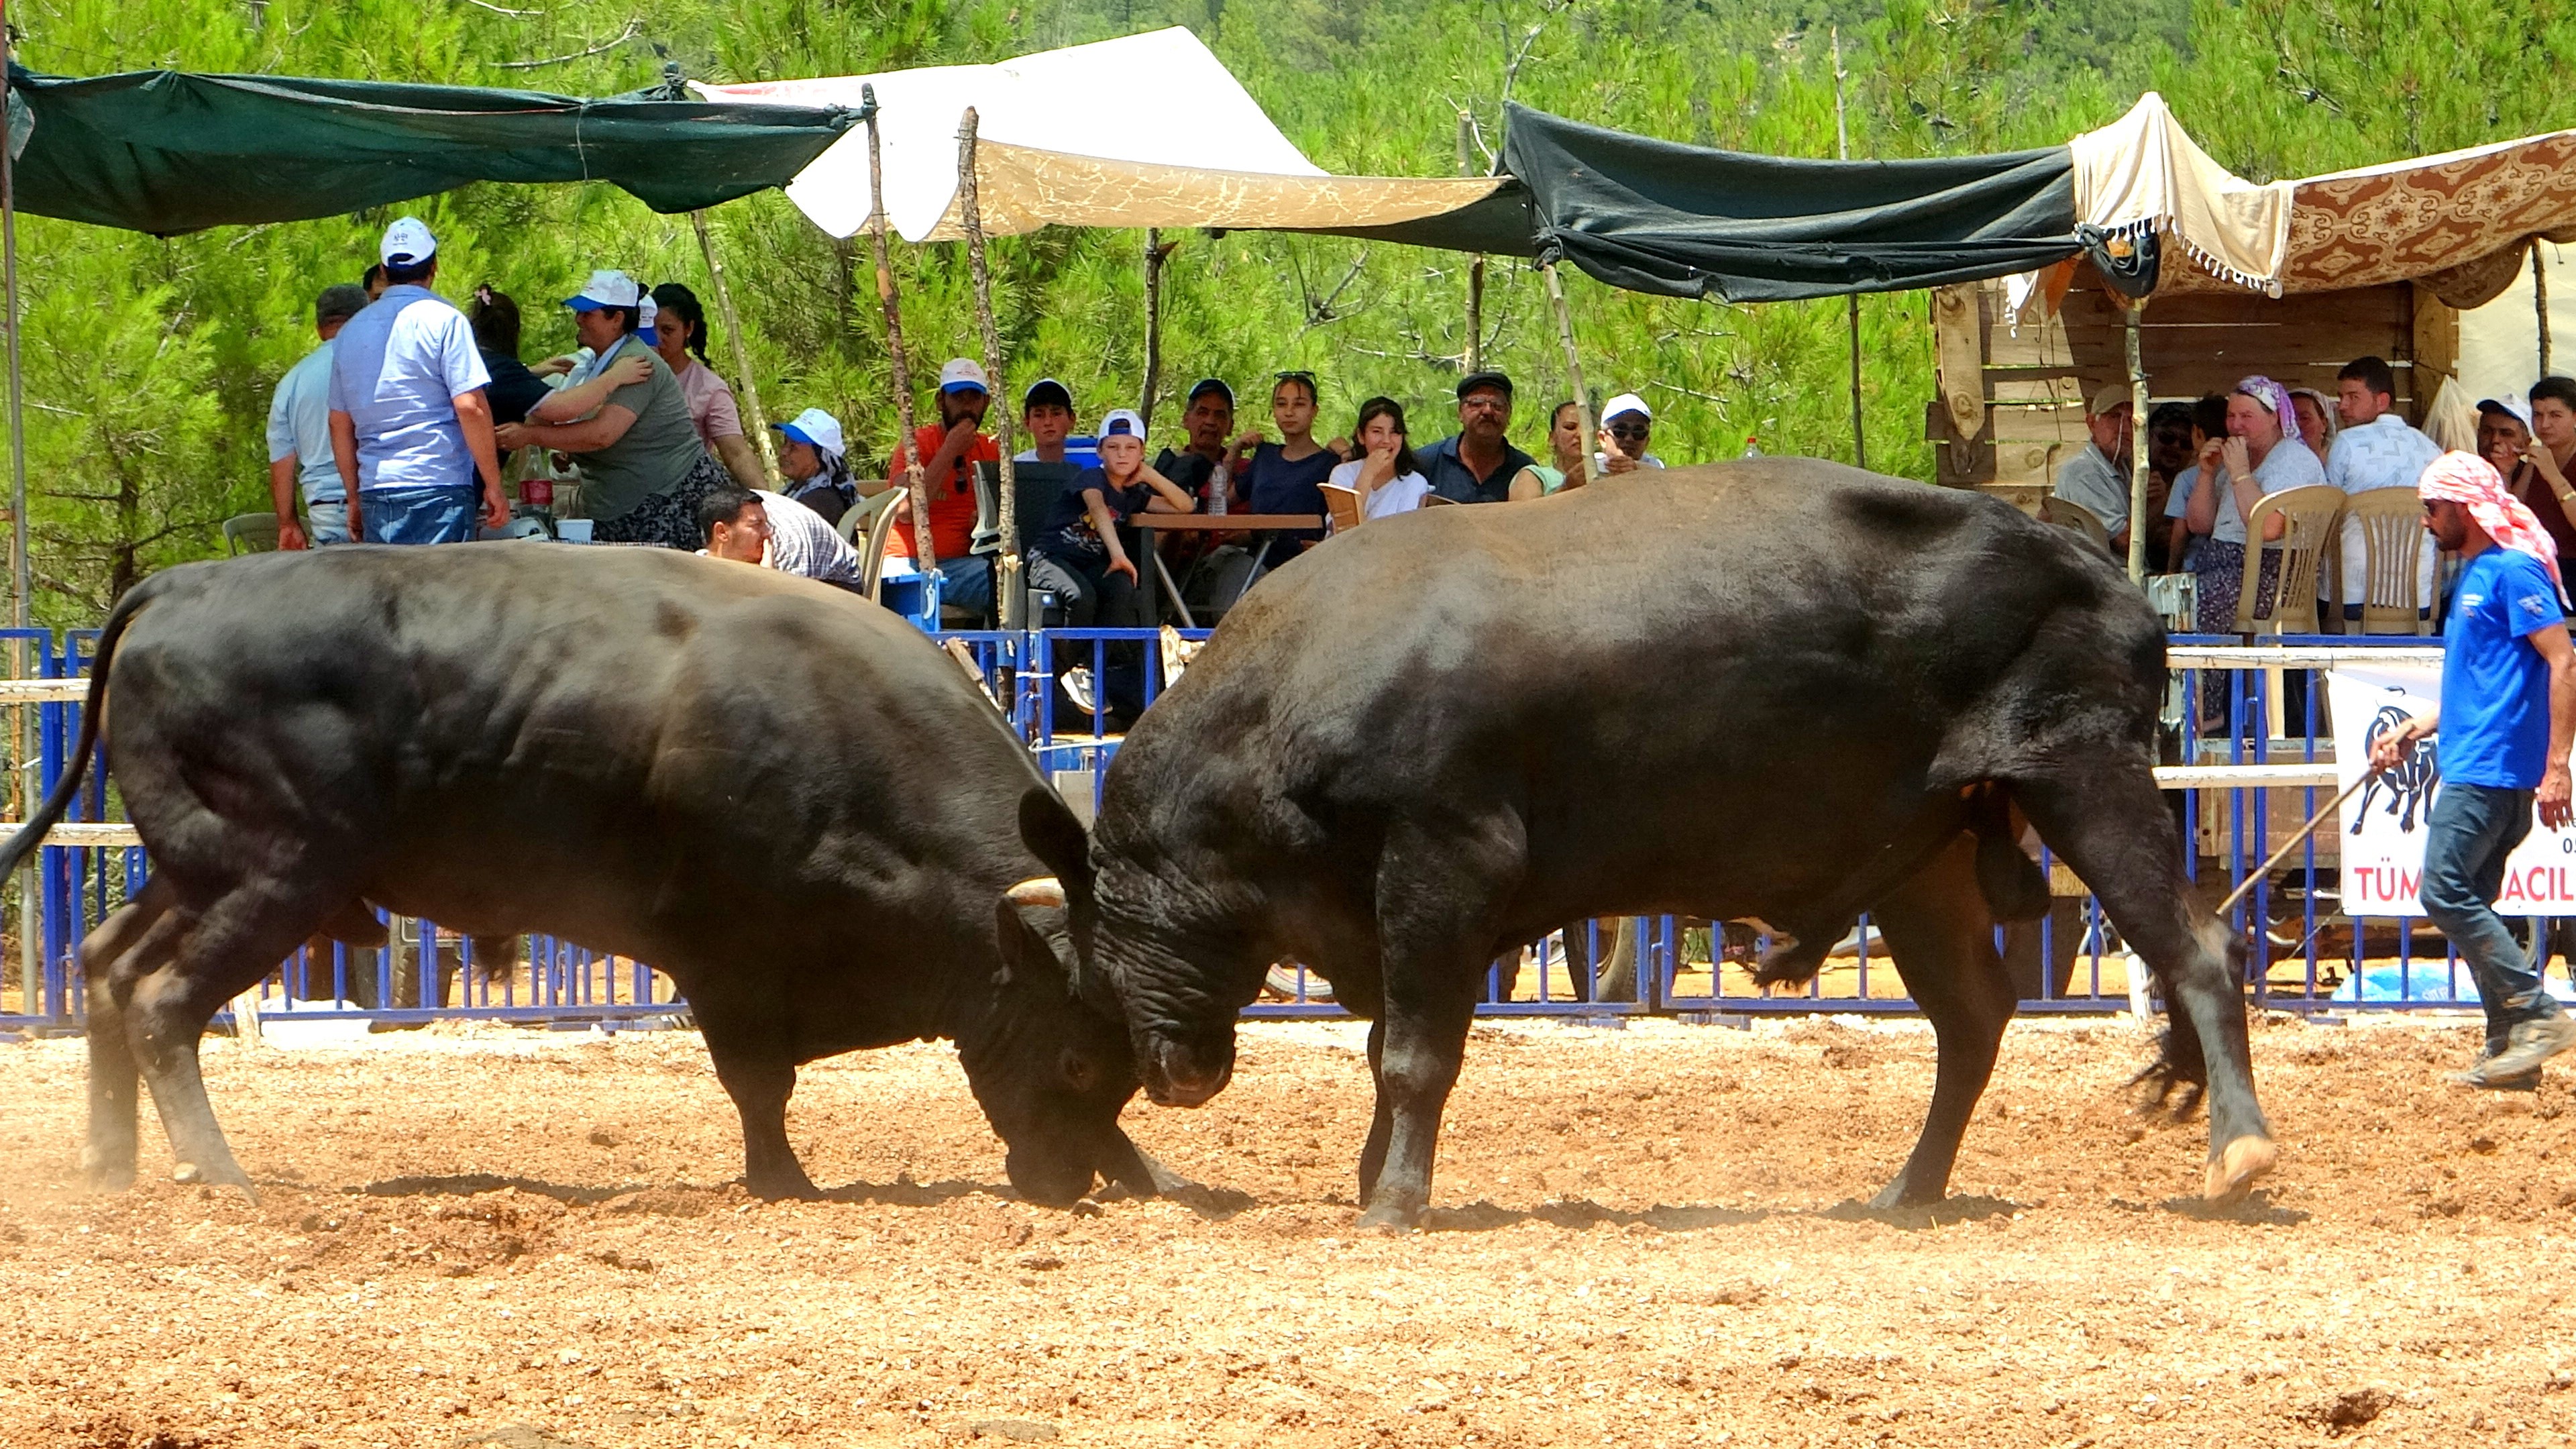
(1687, 221)
(169, 151)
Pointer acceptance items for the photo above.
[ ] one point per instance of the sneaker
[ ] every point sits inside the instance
(2476, 1077)
(2530, 1044)
(1077, 687)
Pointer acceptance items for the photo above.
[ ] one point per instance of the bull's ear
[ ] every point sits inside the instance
(1035, 938)
(1054, 836)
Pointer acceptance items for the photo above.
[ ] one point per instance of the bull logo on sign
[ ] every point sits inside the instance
(2409, 782)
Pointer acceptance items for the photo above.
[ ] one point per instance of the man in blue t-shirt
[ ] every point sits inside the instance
(2507, 720)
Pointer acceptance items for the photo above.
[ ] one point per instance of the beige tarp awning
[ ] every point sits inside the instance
(2458, 222)
(1058, 144)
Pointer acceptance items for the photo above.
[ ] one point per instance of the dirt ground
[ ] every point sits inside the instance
(1646, 1237)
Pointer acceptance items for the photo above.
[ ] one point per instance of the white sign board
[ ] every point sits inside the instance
(2383, 823)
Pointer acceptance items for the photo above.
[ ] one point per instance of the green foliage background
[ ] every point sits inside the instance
(150, 362)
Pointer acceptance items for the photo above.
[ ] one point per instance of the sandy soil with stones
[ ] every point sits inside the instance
(1646, 1237)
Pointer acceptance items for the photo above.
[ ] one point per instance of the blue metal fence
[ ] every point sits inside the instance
(2304, 952)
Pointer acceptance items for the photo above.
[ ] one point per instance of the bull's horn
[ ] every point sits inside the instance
(1044, 890)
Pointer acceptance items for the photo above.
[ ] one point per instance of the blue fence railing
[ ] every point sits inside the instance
(1070, 692)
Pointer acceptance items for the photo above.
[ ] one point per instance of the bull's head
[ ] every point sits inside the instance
(1179, 1019)
(1051, 1064)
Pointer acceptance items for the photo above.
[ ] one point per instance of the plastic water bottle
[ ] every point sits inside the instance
(1216, 490)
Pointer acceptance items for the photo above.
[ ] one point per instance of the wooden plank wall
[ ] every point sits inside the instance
(2032, 381)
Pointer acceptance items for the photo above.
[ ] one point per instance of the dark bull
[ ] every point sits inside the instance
(1781, 689)
(775, 792)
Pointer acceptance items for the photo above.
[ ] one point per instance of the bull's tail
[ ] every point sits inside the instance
(67, 789)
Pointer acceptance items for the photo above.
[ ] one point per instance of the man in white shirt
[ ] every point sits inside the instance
(2376, 449)
(1627, 427)
(2097, 479)
(410, 427)
(775, 531)
(300, 457)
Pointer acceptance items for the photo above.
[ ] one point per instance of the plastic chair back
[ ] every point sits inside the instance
(1341, 506)
(2390, 522)
(250, 533)
(2068, 514)
(856, 519)
(2310, 514)
(872, 552)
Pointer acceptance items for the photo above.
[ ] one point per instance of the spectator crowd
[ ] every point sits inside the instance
(415, 421)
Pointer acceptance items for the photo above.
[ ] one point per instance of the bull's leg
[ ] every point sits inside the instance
(1382, 1120)
(134, 938)
(1938, 929)
(224, 951)
(2110, 825)
(1426, 1042)
(760, 1085)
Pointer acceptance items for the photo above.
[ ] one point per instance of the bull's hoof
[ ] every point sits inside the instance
(799, 1188)
(103, 1173)
(1393, 1218)
(2233, 1169)
(1898, 1194)
(234, 1177)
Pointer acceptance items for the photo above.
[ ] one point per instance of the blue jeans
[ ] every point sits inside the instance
(967, 581)
(2471, 831)
(326, 523)
(420, 515)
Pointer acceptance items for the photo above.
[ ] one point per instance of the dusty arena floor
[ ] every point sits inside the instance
(528, 1240)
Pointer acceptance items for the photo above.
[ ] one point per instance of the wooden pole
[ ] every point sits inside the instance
(1851, 304)
(2138, 521)
(2539, 310)
(21, 565)
(901, 374)
(741, 350)
(1573, 365)
(1474, 355)
(1153, 325)
(1006, 579)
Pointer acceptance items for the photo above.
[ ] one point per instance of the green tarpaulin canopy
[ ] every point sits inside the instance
(167, 151)
(1688, 221)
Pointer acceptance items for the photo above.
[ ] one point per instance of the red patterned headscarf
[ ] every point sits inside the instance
(2472, 482)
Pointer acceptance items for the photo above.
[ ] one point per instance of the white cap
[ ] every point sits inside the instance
(1626, 402)
(407, 243)
(2512, 404)
(607, 287)
(815, 428)
(960, 374)
(1119, 422)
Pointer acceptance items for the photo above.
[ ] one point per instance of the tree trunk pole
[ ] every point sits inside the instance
(1573, 364)
(901, 370)
(1006, 579)
(1851, 304)
(741, 352)
(1474, 356)
(1153, 324)
(21, 565)
(2539, 312)
(2138, 522)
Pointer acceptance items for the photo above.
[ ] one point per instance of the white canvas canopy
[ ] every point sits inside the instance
(1058, 144)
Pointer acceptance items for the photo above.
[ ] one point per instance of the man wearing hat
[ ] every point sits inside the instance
(953, 447)
(1626, 430)
(411, 431)
(299, 433)
(2504, 433)
(2507, 718)
(1478, 465)
(815, 462)
(2097, 478)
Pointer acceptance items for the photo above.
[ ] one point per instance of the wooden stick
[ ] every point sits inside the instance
(901, 375)
(741, 352)
(1573, 366)
(1851, 303)
(1006, 579)
(2138, 448)
(1474, 355)
(1153, 324)
(2292, 843)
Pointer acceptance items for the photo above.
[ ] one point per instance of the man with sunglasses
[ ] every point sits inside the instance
(1626, 428)
(1478, 465)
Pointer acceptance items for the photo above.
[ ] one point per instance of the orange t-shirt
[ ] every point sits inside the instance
(952, 499)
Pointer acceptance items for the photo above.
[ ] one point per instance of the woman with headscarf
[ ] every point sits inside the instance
(643, 468)
(680, 338)
(2316, 413)
(2261, 454)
